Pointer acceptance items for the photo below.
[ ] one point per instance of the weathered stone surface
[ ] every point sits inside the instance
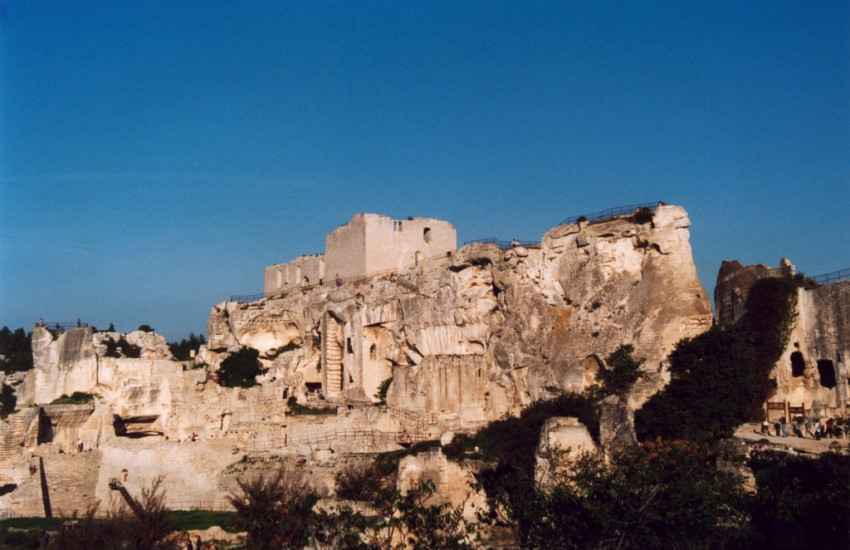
(562, 440)
(466, 338)
(454, 482)
(819, 343)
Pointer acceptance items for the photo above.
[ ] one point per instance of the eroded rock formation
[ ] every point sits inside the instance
(465, 337)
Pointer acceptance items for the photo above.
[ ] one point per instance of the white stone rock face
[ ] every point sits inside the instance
(466, 338)
(562, 441)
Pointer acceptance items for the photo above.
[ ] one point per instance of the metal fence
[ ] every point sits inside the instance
(833, 277)
(612, 212)
(502, 244)
(61, 326)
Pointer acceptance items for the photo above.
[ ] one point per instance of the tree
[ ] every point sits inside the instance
(8, 401)
(241, 368)
(16, 349)
(150, 528)
(721, 378)
(619, 373)
(663, 494)
(713, 384)
(802, 502)
(182, 351)
(274, 510)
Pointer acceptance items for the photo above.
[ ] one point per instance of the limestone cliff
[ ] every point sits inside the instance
(466, 337)
(483, 331)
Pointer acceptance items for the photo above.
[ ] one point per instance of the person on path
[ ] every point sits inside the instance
(784, 425)
(807, 422)
(43, 539)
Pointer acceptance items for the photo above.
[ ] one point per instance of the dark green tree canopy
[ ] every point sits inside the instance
(241, 368)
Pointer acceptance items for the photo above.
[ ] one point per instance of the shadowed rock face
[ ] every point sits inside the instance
(485, 331)
(813, 371)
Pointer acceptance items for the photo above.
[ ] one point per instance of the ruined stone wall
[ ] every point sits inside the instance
(345, 249)
(396, 244)
(819, 346)
(813, 370)
(302, 271)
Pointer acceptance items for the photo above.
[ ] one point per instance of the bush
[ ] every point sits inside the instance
(76, 398)
(381, 395)
(643, 215)
(274, 510)
(149, 527)
(802, 502)
(241, 368)
(658, 495)
(618, 374)
(360, 481)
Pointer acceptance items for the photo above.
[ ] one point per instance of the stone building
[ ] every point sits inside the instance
(366, 245)
(812, 373)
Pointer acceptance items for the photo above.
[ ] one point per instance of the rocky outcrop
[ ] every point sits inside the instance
(812, 372)
(486, 331)
(449, 343)
(562, 441)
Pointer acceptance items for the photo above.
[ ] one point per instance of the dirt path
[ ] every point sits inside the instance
(750, 432)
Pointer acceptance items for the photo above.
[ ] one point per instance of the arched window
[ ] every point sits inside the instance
(426, 234)
(373, 352)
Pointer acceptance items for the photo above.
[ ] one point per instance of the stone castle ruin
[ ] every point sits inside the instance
(393, 331)
(367, 245)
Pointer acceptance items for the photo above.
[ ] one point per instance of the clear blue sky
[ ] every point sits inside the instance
(155, 156)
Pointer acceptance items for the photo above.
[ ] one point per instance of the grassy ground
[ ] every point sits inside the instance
(21, 533)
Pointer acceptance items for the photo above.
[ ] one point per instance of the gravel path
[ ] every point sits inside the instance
(750, 432)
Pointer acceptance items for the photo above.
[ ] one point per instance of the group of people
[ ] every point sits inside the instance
(816, 430)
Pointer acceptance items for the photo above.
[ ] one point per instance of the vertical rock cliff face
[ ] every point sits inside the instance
(813, 370)
(484, 331)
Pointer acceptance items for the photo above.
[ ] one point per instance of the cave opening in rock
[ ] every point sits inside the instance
(826, 369)
(798, 365)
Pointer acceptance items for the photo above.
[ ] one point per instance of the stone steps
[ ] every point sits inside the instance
(14, 433)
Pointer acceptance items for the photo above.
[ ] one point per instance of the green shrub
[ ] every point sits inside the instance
(76, 398)
(643, 215)
(618, 374)
(241, 368)
(381, 394)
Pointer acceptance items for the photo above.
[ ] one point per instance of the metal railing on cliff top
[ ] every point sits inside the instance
(834, 277)
(596, 216)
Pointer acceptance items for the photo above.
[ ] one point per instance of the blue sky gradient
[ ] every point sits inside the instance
(155, 156)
